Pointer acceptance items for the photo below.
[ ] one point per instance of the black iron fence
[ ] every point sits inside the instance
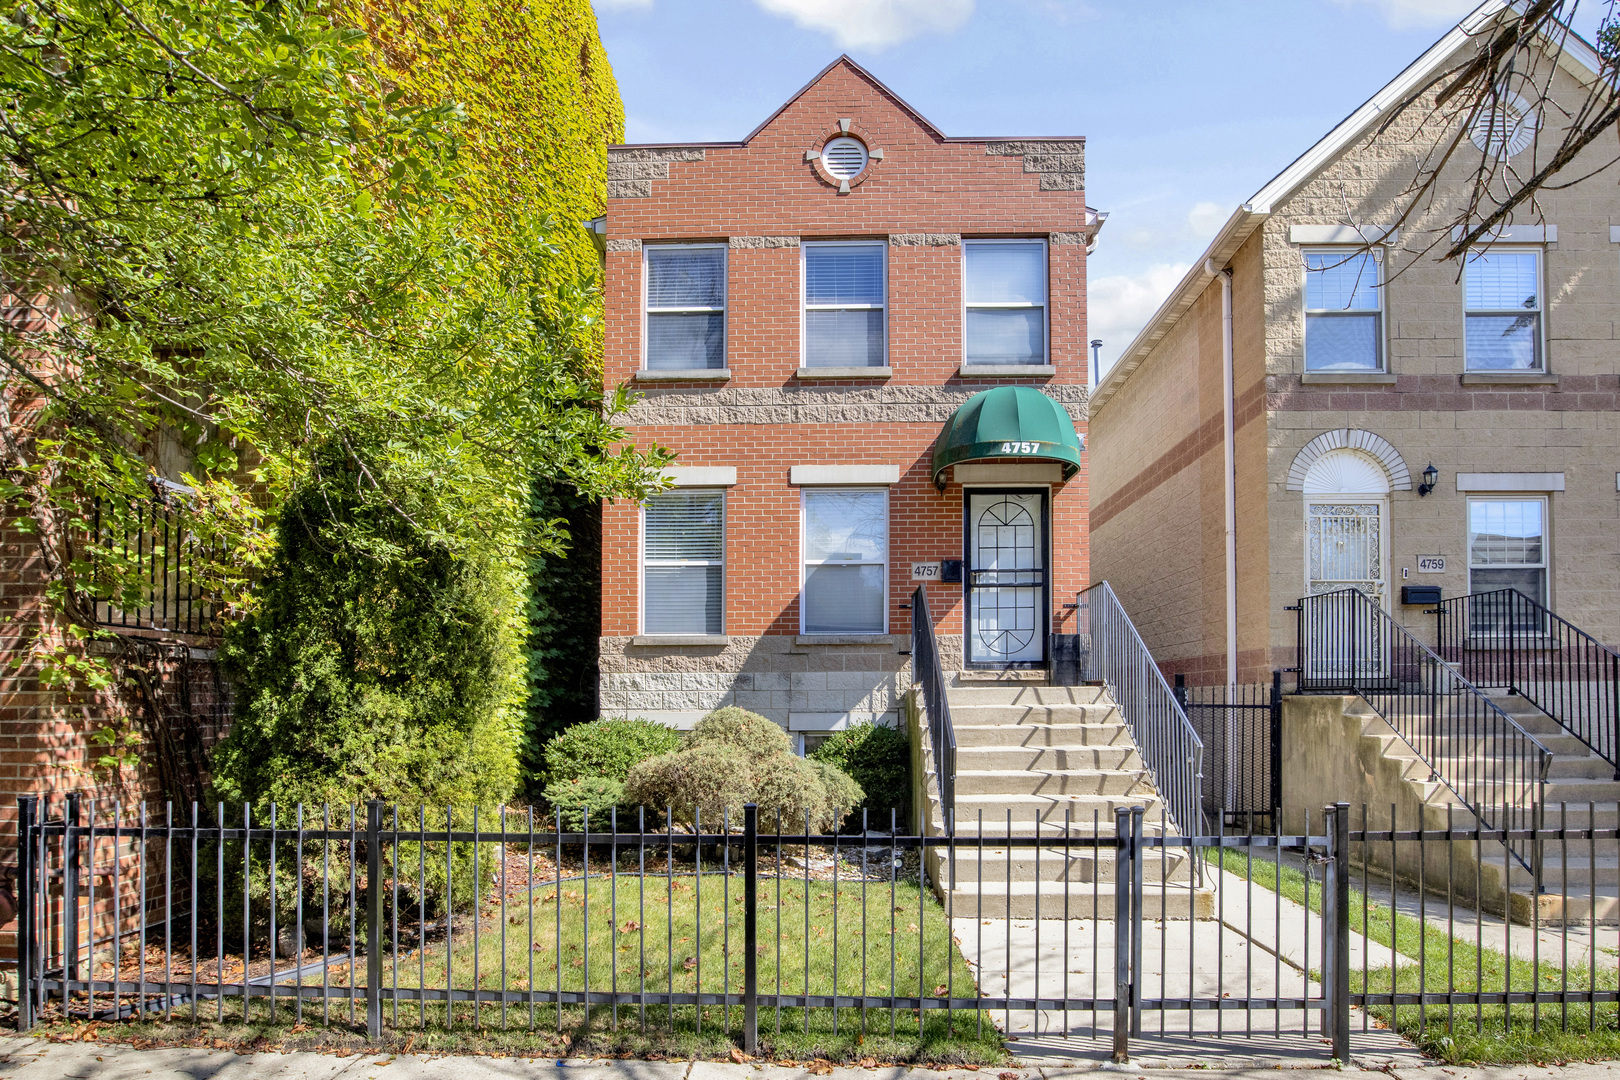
(1348, 644)
(148, 567)
(1119, 660)
(930, 673)
(1504, 639)
(1241, 729)
(400, 922)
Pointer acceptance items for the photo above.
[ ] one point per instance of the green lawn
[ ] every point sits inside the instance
(1464, 1034)
(655, 940)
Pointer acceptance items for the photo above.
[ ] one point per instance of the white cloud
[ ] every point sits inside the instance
(1118, 307)
(1406, 14)
(1205, 219)
(874, 24)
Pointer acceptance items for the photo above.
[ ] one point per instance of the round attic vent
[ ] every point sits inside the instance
(1506, 128)
(844, 157)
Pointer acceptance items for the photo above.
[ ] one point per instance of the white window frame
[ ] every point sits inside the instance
(1540, 252)
(1045, 305)
(1545, 566)
(641, 563)
(1377, 252)
(647, 310)
(805, 564)
(805, 307)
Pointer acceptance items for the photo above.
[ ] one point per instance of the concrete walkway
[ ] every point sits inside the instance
(31, 1059)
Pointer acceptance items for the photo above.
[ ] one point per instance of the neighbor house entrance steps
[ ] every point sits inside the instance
(1581, 793)
(1054, 761)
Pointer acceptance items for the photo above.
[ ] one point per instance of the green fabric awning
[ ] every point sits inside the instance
(1008, 422)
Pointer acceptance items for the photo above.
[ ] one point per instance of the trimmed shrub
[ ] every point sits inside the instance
(734, 757)
(710, 781)
(878, 758)
(598, 795)
(746, 732)
(605, 749)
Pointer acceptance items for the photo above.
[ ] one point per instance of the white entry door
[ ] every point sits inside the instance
(1006, 579)
(1345, 549)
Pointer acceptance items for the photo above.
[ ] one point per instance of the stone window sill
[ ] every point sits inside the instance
(846, 373)
(714, 640)
(1347, 378)
(1006, 371)
(684, 375)
(872, 640)
(1508, 378)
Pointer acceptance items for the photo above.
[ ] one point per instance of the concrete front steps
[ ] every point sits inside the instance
(1054, 762)
(1580, 791)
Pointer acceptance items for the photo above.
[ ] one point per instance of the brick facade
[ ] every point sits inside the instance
(761, 416)
(1157, 421)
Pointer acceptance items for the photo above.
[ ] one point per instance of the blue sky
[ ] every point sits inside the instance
(1188, 106)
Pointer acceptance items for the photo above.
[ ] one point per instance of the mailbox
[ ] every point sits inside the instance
(951, 570)
(1420, 594)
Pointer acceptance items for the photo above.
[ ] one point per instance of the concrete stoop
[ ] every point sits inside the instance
(1056, 762)
(1578, 885)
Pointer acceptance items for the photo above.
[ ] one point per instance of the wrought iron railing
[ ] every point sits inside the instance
(1504, 639)
(154, 585)
(1241, 727)
(1169, 745)
(1348, 644)
(930, 674)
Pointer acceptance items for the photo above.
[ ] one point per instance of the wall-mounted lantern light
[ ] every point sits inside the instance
(1431, 476)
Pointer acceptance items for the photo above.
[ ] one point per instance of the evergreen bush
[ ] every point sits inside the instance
(878, 758)
(598, 796)
(605, 749)
(734, 757)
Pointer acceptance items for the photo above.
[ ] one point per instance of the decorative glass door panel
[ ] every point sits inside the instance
(1006, 581)
(1344, 549)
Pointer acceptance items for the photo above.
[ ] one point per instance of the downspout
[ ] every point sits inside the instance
(1229, 476)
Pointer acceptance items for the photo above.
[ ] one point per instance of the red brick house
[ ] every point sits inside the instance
(866, 341)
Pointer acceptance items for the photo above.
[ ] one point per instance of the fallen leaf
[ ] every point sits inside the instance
(739, 1057)
(1007, 1076)
(868, 1063)
(940, 990)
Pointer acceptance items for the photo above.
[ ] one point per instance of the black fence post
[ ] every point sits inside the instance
(1614, 709)
(374, 919)
(751, 928)
(1124, 857)
(1336, 977)
(26, 805)
(70, 894)
(1137, 813)
(1276, 742)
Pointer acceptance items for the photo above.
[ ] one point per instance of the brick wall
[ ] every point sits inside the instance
(762, 199)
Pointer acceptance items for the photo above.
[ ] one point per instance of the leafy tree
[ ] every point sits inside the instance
(231, 239)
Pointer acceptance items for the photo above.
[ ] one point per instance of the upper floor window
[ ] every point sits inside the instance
(1004, 290)
(1344, 321)
(846, 559)
(686, 306)
(684, 562)
(844, 304)
(1502, 310)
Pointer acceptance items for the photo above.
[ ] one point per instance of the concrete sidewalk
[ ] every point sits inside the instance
(33, 1059)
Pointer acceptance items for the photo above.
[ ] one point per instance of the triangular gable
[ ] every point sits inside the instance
(877, 84)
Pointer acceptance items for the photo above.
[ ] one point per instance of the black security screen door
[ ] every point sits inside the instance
(1008, 592)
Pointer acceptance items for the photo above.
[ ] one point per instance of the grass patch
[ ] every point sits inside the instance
(1456, 1033)
(656, 939)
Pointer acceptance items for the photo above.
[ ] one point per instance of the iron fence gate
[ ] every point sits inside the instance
(1241, 729)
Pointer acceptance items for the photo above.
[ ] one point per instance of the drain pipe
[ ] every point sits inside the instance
(1229, 445)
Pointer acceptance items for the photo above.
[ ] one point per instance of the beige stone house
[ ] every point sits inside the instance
(1267, 435)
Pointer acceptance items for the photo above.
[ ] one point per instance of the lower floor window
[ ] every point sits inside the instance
(846, 554)
(683, 575)
(1507, 546)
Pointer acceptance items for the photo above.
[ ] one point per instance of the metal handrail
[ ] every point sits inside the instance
(1347, 643)
(1170, 747)
(927, 671)
(1503, 638)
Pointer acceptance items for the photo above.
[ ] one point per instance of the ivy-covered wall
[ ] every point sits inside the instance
(541, 106)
